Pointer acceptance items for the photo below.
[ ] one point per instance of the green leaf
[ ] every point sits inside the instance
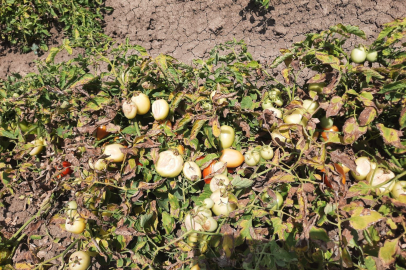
(130, 130)
(395, 86)
(8, 134)
(241, 183)
(370, 263)
(319, 234)
(245, 233)
(362, 218)
(246, 103)
(280, 59)
(206, 193)
(348, 29)
(96, 103)
(388, 251)
(402, 118)
(188, 117)
(168, 222)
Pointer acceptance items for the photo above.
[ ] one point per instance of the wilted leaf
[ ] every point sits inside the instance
(318, 78)
(388, 251)
(391, 136)
(402, 118)
(175, 208)
(352, 131)
(197, 125)
(367, 116)
(240, 183)
(331, 60)
(335, 106)
(362, 218)
(319, 234)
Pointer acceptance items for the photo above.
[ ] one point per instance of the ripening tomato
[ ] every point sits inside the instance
(79, 260)
(101, 133)
(214, 166)
(325, 134)
(232, 157)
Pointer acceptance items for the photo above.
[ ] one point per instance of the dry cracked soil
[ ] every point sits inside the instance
(189, 29)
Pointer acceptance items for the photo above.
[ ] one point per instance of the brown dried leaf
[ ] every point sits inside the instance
(367, 116)
(318, 78)
(147, 186)
(245, 127)
(352, 131)
(335, 106)
(340, 157)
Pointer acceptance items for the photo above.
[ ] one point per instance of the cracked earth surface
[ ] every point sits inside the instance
(189, 29)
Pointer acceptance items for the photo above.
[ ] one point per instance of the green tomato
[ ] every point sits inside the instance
(310, 105)
(208, 203)
(72, 209)
(219, 181)
(266, 104)
(274, 96)
(39, 145)
(326, 122)
(276, 205)
(227, 135)
(317, 87)
(207, 106)
(252, 157)
(266, 152)
(75, 224)
(358, 55)
(363, 168)
(192, 171)
(295, 117)
(372, 56)
(210, 225)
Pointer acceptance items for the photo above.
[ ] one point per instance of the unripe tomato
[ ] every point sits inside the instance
(310, 105)
(218, 181)
(101, 133)
(372, 56)
(39, 145)
(325, 134)
(252, 157)
(208, 203)
(232, 157)
(202, 211)
(79, 260)
(192, 171)
(195, 267)
(220, 195)
(227, 136)
(220, 208)
(214, 166)
(169, 164)
(363, 168)
(142, 102)
(266, 104)
(71, 212)
(326, 122)
(266, 152)
(129, 109)
(276, 112)
(160, 109)
(317, 87)
(295, 117)
(114, 152)
(207, 106)
(274, 96)
(192, 224)
(75, 224)
(210, 225)
(358, 55)
(148, 85)
(268, 199)
(379, 176)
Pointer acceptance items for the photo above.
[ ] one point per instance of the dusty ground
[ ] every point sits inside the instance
(188, 29)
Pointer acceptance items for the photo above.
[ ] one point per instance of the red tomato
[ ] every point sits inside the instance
(66, 164)
(208, 170)
(137, 161)
(326, 134)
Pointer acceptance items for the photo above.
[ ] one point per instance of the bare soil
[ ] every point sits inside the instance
(188, 29)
